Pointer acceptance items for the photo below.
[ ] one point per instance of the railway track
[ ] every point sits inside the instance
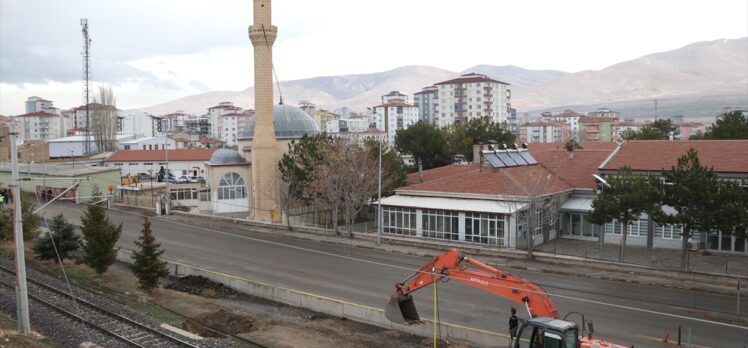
(128, 332)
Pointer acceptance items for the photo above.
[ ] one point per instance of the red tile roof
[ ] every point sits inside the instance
(405, 105)
(725, 156)
(566, 113)
(37, 114)
(160, 155)
(470, 179)
(576, 171)
(469, 78)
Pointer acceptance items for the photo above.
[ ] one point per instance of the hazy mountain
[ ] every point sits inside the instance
(697, 71)
(516, 76)
(693, 80)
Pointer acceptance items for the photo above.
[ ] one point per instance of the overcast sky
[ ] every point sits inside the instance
(154, 51)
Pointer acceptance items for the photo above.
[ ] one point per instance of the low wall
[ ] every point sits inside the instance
(332, 306)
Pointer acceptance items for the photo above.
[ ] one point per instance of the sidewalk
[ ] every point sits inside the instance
(713, 262)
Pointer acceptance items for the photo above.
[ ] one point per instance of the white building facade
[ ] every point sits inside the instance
(215, 114)
(473, 96)
(393, 116)
(147, 143)
(40, 125)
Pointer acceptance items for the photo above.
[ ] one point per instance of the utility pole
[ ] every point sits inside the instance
(86, 83)
(22, 299)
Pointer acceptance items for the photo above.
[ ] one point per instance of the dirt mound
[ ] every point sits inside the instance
(202, 286)
(227, 321)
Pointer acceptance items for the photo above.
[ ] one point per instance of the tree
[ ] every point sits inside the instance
(147, 265)
(457, 142)
(732, 125)
(30, 221)
(483, 130)
(732, 215)
(6, 224)
(624, 199)
(300, 161)
(393, 168)
(659, 130)
(425, 143)
(692, 191)
(103, 119)
(323, 181)
(100, 236)
(66, 241)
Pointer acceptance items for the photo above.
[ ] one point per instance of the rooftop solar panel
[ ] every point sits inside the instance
(493, 160)
(504, 157)
(518, 158)
(528, 157)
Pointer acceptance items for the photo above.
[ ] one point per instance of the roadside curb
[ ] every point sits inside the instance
(660, 277)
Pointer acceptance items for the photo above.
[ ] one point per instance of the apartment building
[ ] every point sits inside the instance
(567, 116)
(392, 116)
(544, 132)
(427, 101)
(472, 96)
(215, 118)
(40, 125)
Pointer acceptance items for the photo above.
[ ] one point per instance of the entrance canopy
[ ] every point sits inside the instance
(578, 204)
(441, 203)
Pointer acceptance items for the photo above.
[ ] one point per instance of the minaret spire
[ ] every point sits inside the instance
(265, 155)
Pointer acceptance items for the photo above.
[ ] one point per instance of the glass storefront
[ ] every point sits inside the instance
(440, 224)
(577, 225)
(725, 242)
(399, 220)
(484, 228)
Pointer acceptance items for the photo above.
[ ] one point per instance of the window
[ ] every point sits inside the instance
(232, 186)
(144, 147)
(668, 231)
(484, 228)
(636, 228)
(132, 164)
(127, 147)
(183, 194)
(538, 221)
(398, 220)
(147, 164)
(440, 224)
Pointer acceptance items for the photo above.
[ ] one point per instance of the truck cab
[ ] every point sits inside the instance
(545, 332)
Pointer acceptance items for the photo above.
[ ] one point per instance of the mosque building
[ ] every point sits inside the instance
(229, 172)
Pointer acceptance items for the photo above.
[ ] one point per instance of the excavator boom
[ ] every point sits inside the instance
(453, 265)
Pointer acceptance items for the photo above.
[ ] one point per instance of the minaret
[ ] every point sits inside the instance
(265, 174)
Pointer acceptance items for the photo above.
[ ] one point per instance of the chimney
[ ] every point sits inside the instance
(420, 171)
(570, 148)
(476, 152)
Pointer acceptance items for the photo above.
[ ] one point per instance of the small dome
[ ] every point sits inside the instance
(290, 123)
(226, 157)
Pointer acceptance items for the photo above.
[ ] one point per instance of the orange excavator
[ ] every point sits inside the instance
(545, 328)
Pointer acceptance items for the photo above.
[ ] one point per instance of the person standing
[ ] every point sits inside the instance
(513, 324)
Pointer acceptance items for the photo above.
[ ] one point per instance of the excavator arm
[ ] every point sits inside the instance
(453, 265)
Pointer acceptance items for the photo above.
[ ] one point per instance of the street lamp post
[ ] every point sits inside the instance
(168, 174)
(379, 197)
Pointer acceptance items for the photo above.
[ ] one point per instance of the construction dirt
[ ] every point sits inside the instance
(276, 325)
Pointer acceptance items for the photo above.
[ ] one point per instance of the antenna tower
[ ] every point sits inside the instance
(86, 83)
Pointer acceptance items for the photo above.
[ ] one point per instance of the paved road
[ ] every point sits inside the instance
(328, 270)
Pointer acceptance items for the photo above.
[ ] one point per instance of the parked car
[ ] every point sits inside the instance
(183, 179)
(194, 179)
(171, 180)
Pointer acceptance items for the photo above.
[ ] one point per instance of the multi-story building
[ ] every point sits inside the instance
(322, 117)
(393, 116)
(597, 129)
(394, 97)
(628, 125)
(79, 116)
(513, 122)
(174, 122)
(36, 104)
(544, 132)
(198, 125)
(472, 96)
(40, 125)
(568, 116)
(347, 125)
(229, 127)
(215, 118)
(604, 112)
(687, 129)
(427, 101)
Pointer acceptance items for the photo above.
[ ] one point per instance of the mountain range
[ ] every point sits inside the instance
(696, 81)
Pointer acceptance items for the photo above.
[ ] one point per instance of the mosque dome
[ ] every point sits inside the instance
(290, 123)
(226, 157)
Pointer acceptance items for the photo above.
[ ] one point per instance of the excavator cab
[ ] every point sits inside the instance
(545, 332)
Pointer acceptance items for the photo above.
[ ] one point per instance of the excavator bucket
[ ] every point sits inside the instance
(402, 310)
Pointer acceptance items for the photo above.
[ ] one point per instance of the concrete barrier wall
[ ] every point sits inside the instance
(332, 306)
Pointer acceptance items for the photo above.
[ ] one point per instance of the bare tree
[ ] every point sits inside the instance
(104, 119)
(536, 206)
(322, 181)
